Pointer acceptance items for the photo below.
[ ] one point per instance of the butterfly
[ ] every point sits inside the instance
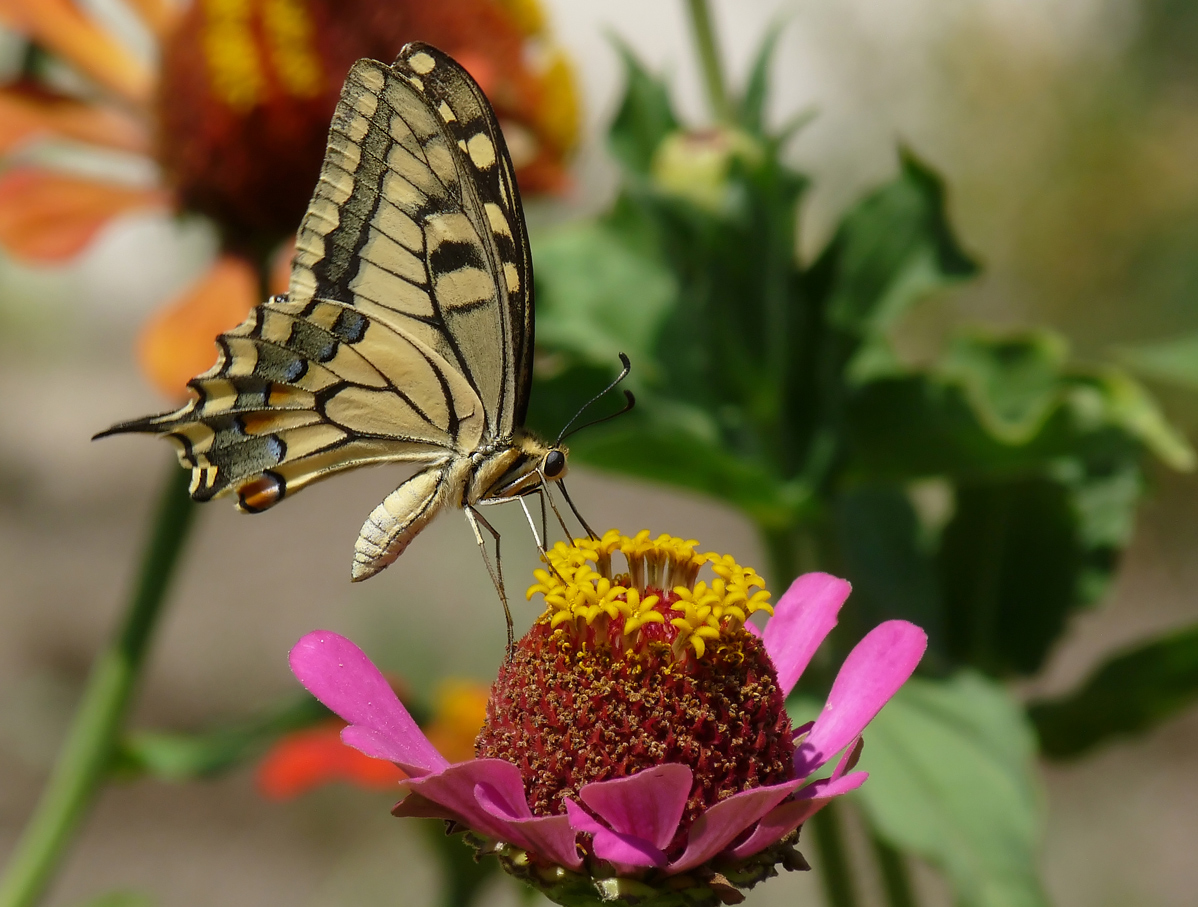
(406, 333)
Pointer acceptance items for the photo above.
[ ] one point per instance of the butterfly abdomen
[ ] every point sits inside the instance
(393, 524)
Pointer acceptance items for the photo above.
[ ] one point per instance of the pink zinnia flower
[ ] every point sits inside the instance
(637, 740)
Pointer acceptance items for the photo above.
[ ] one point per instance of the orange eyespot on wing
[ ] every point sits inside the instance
(262, 493)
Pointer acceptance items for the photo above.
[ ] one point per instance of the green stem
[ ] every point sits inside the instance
(834, 870)
(463, 874)
(84, 758)
(709, 60)
(896, 881)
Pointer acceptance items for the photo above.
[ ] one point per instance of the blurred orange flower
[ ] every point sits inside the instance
(235, 115)
(307, 759)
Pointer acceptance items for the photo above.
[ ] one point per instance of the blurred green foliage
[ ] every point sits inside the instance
(985, 494)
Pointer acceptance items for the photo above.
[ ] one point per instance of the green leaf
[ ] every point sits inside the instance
(645, 117)
(1010, 564)
(917, 426)
(1015, 382)
(1129, 406)
(597, 296)
(1012, 383)
(182, 757)
(660, 448)
(1005, 406)
(952, 780)
(1131, 693)
(878, 537)
(893, 249)
(1174, 361)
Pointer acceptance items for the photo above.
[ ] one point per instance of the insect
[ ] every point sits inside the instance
(406, 334)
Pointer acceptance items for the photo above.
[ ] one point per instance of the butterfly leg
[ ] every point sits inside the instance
(557, 513)
(539, 539)
(475, 519)
(540, 493)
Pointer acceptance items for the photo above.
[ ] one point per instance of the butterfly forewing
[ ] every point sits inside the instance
(416, 222)
(407, 331)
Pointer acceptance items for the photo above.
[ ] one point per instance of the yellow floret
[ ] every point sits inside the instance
(579, 588)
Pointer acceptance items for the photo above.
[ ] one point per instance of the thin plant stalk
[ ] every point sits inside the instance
(836, 876)
(896, 880)
(84, 759)
(708, 51)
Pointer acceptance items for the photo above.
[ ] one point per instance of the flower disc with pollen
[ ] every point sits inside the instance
(628, 671)
(636, 749)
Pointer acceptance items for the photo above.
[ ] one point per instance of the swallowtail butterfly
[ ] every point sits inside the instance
(406, 333)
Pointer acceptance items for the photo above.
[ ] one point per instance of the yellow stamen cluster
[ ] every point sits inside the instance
(581, 590)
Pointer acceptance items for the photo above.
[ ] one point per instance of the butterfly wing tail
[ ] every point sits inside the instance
(396, 521)
(148, 425)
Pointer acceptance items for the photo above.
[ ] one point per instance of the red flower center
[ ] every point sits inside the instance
(589, 700)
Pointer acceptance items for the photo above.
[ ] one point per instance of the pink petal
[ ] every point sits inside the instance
(340, 675)
(647, 805)
(487, 796)
(549, 836)
(627, 853)
(454, 790)
(786, 817)
(848, 760)
(720, 825)
(804, 615)
(827, 788)
(773, 827)
(414, 806)
(873, 672)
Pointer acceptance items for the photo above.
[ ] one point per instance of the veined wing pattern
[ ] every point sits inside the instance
(406, 334)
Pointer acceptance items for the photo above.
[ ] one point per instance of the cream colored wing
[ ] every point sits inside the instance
(302, 391)
(416, 222)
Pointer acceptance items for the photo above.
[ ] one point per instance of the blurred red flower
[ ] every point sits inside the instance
(235, 115)
(310, 758)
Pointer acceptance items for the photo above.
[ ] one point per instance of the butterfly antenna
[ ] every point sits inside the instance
(631, 402)
(577, 515)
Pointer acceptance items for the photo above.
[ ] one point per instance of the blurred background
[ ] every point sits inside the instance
(1067, 134)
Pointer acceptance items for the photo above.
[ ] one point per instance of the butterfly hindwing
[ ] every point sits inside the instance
(416, 221)
(300, 392)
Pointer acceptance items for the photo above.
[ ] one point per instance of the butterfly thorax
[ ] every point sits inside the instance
(511, 467)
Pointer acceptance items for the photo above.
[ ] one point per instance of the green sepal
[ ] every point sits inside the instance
(720, 881)
(751, 108)
(646, 115)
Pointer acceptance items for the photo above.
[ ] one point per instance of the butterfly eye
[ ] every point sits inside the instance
(554, 464)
